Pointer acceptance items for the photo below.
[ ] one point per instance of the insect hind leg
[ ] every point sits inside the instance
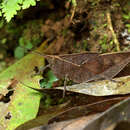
(65, 82)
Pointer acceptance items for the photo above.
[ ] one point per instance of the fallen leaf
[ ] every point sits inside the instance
(43, 120)
(121, 112)
(102, 121)
(85, 110)
(24, 102)
(102, 87)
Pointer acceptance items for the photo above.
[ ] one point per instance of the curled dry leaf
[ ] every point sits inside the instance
(85, 110)
(121, 112)
(102, 88)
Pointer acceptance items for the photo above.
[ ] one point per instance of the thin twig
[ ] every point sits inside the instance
(74, 3)
(72, 15)
(112, 31)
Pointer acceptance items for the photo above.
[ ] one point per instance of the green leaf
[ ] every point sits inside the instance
(47, 82)
(28, 3)
(44, 119)
(21, 41)
(24, 103)
(10, 7)
(52, 77)
(19, 52)
(29, 45)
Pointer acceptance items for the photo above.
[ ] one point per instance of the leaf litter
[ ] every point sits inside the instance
(77, 32)
(113, 64)
(102, 121)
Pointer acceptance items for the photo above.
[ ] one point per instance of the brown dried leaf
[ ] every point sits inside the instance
(86, 110)
(101, 121)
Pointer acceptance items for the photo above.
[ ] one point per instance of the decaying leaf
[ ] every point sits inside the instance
(74, 124)
(85, 110)
(117, 113)
(93, 105)
(103, 87)
(22, 104)
(100, 121)
(43, 119)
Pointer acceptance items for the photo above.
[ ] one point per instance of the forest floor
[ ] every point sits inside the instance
(98, 26)
(88, 25)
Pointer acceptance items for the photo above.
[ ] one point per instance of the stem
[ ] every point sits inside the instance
(112, 31)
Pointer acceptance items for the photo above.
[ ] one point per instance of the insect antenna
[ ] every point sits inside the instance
(52, 56)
